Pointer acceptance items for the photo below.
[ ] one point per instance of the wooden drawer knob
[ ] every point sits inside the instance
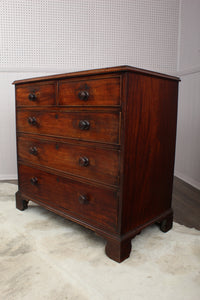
(32, 121)
(84, 125)
(32, 97)
(83, 161)
(33, 150)
(83, 95)
(34, 180)
(83, 199)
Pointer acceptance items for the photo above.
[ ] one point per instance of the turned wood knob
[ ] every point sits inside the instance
(34, 180)
(83, 161)
(32, 97)
(83, 199)
(84, 125)
(83, 95)
(32, 121)
(33, 150)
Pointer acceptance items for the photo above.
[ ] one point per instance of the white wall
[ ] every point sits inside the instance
(187, 162)
(60, 36)
(84, 34)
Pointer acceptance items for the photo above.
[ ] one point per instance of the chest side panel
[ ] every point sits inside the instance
(150, 133)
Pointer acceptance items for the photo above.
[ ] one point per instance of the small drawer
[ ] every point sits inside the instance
(81, 200)
(97, 92)
(34, 94)
(90, 162)
(89, 126)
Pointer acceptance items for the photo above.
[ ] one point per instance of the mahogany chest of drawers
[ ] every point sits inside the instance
(97, 147)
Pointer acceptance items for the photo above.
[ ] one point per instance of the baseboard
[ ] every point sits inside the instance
(190, 181)
(8, 177)
(189, 71)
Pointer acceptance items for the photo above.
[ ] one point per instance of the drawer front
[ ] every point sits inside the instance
(36, 94)
(91, 126)
(100, 92)
(82, 200)
(89, 162)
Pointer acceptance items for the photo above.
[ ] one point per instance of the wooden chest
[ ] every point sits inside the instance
(97, 147)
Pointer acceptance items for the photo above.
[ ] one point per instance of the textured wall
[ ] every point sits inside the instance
(187, 160)
(79, 34)
(187, 164)
(60, 36)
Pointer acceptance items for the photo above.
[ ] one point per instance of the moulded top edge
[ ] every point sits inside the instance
(97, 72)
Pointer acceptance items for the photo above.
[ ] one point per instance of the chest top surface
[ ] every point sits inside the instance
(117, 69)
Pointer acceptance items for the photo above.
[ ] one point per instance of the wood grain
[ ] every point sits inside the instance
(103, 164)
(45, 94)
(104, 127)
(151, 111)
(64, 194)
(101, 91)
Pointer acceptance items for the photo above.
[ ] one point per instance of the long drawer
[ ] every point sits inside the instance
(79, 199)
(90, 162)
(89, 126)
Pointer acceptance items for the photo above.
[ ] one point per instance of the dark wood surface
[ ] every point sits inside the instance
(150, 133)
(185, 203)
(103, 126)
(36, 94)
(99, 92)
(90, 162)
(131, 109)
(99, 206)
(99, 72)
